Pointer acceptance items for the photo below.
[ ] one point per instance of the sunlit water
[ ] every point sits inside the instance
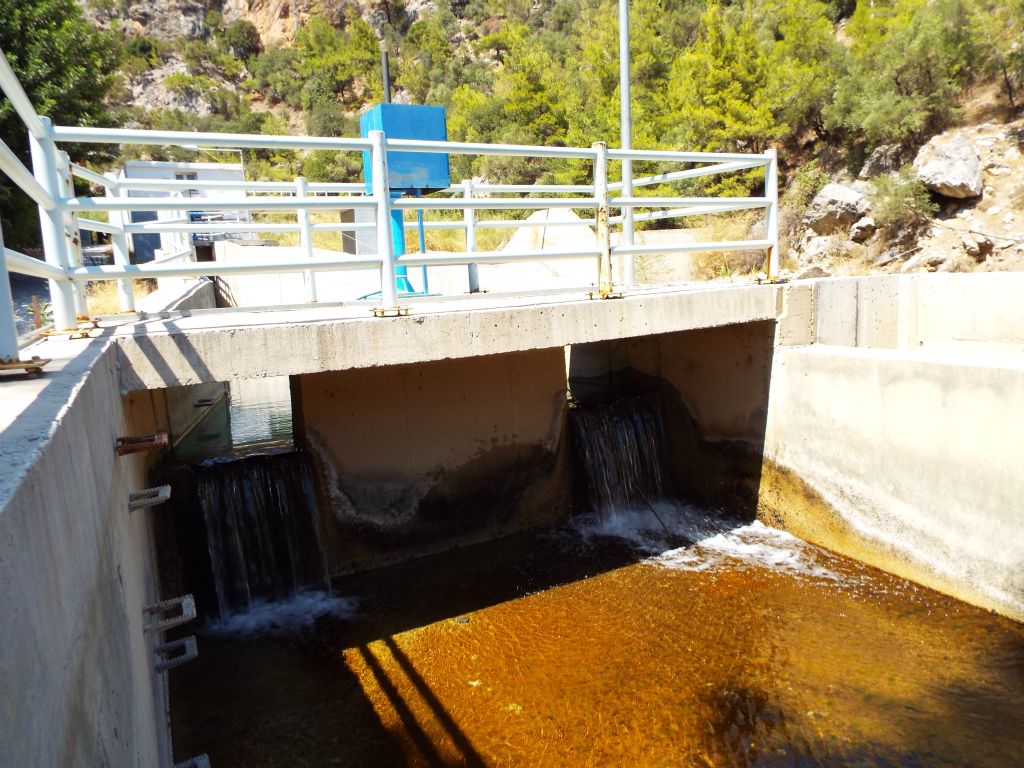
(610, 644)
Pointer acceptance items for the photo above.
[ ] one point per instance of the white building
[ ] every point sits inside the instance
(145, 246)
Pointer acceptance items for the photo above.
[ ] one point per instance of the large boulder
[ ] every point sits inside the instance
(834, 209)
(863, 230)
(950, 167)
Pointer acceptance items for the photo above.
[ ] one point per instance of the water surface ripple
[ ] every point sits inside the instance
(592, 646)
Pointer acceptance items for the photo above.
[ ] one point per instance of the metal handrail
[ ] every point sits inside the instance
(11, 87)
(49, 187)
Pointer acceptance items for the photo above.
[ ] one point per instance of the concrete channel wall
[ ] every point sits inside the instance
(896, 428)
(77, 568)
(421, 458)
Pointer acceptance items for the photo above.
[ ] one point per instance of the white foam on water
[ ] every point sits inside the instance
(754, 545)
(296, 614)
(643, 528)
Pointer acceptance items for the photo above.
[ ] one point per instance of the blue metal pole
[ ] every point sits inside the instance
(423, 246)
(398, 238)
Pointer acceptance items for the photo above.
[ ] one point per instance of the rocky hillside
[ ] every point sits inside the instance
(827, 83)
(972, 217)
(276, 21)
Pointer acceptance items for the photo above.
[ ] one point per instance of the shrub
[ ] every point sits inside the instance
(900, 202)
(242, 39)
(806, 183)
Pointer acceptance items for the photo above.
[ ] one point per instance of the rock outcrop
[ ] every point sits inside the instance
(862, 231)
(887, 158)
(949, 166)
(162, 19)
(835, 208)
(977, 246)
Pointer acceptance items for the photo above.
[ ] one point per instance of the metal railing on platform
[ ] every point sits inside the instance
(62, 214)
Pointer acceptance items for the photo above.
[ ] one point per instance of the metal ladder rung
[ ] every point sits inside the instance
(149, 497)
(186, 604)
(199, 761)
(165, 662)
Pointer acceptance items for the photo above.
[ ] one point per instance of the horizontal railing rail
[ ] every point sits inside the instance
(221, 208)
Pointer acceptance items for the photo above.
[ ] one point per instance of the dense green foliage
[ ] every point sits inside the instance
(66, 68)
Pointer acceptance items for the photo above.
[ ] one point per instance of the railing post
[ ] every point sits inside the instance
(75, 252)
(55, 236)
(119, 244)
(629, 261)
(470, 218)
(382, 194)
(604, 238)
(306, 238)
(8, 328)
(771, 193)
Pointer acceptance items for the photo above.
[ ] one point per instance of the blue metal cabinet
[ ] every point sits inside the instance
(415, 173)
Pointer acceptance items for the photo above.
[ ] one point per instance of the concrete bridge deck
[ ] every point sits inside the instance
(193, 347)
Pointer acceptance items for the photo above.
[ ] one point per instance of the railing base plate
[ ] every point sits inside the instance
(390, 311)
(33, 367)
(599, 295)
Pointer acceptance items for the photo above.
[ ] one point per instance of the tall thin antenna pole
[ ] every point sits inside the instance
(626, 123)
(385, 71)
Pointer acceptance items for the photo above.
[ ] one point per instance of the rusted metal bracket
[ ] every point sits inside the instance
(86, 325)
(149, 497)
(126, 445)
(188, 651)
(158, 613)
(33, 366)
(390, 311)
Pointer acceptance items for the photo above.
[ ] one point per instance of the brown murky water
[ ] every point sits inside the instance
(750, 649)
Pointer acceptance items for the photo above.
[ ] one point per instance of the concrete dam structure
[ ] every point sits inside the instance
(878, 417)
(373, 506)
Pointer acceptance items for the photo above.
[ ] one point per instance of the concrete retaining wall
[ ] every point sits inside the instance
(76, 568)
(422, 458)
(896, 438)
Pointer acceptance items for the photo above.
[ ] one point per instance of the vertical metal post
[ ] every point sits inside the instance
(771, 193)
(55, 237)
(626, 136)
(385, 73)
(382, 194)
(604, 237)
(8, 329)
(306, 238)
(75, 257)
(421, 229)
(119, 244)
(469, 215)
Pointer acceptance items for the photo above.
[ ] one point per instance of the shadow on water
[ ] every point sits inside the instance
(332, 721)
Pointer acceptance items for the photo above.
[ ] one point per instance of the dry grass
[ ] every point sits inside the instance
(716, 264)
(451, 240)
(101, 296)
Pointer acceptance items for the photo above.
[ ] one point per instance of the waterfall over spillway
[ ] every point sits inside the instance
(618, 448)
(261, 528)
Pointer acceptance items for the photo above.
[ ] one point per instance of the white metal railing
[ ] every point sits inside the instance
(62, 214)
